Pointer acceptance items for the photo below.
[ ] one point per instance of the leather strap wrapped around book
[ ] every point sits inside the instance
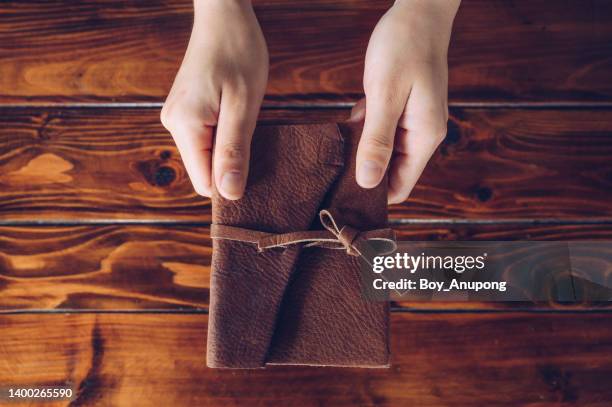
(333, 237)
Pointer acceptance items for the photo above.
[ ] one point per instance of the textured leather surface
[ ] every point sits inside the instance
(296, 305)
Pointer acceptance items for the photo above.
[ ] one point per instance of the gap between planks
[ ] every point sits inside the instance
(406, 310)
(523, 105)
(392, 222)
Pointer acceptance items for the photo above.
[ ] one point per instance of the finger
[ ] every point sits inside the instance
(237, 119)
(422, 128)
(383, 109)
(358, 111)
(193, 137)
(406, 167)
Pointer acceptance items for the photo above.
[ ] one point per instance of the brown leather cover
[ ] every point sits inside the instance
(296, 304)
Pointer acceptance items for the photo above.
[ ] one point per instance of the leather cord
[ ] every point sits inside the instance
(333, 237)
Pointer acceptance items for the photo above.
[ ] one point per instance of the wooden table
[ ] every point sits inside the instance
(104, 247)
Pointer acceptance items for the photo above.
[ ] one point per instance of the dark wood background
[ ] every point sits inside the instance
(104, 247)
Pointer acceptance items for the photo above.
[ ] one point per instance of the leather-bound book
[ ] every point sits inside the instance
(285, 282)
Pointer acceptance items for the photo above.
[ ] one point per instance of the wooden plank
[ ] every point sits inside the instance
(97, 164)
(104, 267)
(136, 267)
(467, 360)
(129, 50)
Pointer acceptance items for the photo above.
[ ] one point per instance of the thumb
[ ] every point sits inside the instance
(376, 144)
(237, 119)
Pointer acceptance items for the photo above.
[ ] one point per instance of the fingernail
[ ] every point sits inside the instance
(231, 184)
(369, 174)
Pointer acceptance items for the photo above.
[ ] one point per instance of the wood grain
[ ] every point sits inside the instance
(454, 360)
(136, 267)
(107, 286)
(129, 50)
(98, 164)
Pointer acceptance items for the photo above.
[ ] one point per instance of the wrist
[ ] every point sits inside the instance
(441, 8)
(429, 22)
(203, 8)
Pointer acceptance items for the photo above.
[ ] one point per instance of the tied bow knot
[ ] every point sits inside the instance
(333, 237)
(346, 235)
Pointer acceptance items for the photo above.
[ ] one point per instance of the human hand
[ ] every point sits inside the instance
(405, 82)
(221, 83)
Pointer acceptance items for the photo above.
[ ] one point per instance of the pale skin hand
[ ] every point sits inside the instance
(216, 95)
(405, 83)
(223, 77)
